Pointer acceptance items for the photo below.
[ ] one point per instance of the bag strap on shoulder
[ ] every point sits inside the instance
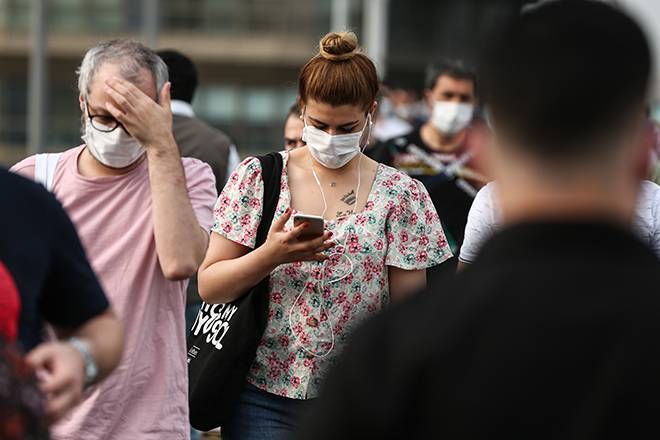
(271, 173)
(44, 168)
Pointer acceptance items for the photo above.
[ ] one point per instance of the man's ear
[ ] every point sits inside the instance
(428, 97)
(81, 101)
(372, 111)
(647, 140)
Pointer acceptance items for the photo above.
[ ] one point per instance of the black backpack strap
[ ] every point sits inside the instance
(271, 173)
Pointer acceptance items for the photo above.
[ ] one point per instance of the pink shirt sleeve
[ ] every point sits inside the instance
(237, 213)
(25, 168)
(201, 190)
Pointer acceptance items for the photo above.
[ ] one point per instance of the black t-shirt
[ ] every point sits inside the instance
(41, 249)
(451, 195)
(551, 333)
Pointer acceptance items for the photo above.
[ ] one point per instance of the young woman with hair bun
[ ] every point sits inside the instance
(381, 234)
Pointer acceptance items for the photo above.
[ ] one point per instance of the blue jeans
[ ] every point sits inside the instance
(194, 434)
(260, 415)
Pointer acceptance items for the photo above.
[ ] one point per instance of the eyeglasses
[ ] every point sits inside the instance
(103, 123)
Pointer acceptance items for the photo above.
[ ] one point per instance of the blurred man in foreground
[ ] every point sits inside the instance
(551, 333)
(45, 277)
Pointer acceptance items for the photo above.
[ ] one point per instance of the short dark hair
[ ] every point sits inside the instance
(183, 74)
(408, 80)
(449, 67)
(564, 75)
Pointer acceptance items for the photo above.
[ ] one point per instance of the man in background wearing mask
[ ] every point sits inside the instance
(195, 137)
(399, 110)
(441, 153)
(293, 128)
(143, 214)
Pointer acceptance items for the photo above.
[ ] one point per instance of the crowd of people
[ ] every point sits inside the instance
(420, 262)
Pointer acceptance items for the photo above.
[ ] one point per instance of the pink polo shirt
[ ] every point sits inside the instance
(146, 397)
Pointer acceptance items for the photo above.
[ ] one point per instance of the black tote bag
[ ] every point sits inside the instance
(224, 338)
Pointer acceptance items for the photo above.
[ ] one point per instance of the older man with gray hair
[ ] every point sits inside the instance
(143, 214)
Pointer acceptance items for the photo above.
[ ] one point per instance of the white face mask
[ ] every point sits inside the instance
(405, 111)
(115, 149)
(451, 117)
(333, 151)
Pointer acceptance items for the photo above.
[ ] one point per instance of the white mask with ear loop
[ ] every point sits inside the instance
(355, 140)
(114, 149)
(451, 117)
(334, 151)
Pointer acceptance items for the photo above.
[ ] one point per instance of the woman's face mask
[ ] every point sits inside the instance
(115, 149)
(334, 151)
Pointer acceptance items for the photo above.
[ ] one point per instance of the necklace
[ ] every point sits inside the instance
(318, 182)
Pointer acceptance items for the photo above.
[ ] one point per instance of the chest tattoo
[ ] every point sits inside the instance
(349, 198)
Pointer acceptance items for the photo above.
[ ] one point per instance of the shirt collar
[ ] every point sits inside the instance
(182, 108)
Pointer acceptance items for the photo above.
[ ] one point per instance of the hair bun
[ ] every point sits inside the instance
(339, 46)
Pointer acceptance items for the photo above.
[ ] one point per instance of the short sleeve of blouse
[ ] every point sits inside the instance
(237, 212)
(415, 236)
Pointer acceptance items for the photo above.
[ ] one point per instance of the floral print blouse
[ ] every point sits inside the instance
(314, 306)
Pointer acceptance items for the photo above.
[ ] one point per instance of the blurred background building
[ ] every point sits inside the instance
(248, 53)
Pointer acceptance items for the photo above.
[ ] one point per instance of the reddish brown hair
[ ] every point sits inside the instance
(340, 74)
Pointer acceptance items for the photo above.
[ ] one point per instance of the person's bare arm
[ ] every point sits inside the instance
(60, 367)
(180, 241)
(229, 269)
(461, 266)
(404, 283)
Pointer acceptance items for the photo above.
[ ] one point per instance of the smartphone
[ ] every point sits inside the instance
(316, 225)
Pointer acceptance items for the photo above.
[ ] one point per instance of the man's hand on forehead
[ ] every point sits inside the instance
(150, 122)
(143, 86)
(124, 93)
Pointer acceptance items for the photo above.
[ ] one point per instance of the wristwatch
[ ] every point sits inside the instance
(91, 370)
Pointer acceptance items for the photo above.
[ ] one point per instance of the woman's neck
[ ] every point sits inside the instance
(330, 173)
